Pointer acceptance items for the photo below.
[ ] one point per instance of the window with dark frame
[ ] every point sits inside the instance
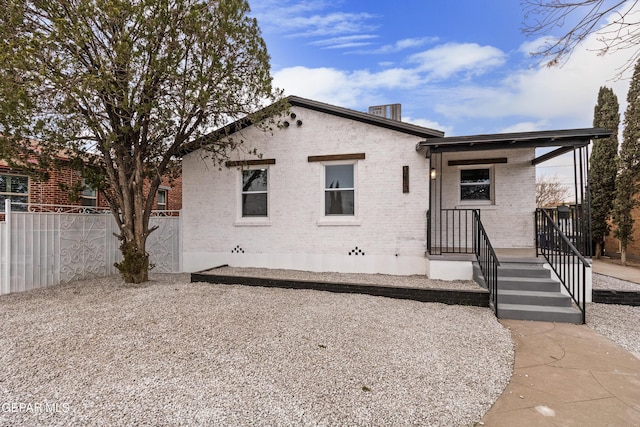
(475, 184)
(254, 193)
(16, 189)
(339, 190)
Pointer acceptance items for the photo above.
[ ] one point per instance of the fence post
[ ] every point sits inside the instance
(180, 242)
(6, 249)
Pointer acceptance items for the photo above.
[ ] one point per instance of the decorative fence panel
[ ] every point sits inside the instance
(44, 245)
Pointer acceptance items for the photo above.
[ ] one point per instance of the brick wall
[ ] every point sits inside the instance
(389, 227)
(509, 218)
(174, 193)
(612, 245)
(50, 192)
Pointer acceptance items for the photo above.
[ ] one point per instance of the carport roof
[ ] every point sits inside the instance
(566, 140)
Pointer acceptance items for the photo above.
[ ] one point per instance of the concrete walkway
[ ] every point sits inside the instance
(630, 274)
(567, 375)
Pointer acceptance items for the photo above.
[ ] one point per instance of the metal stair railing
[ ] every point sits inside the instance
(487, 259)
(564, 258)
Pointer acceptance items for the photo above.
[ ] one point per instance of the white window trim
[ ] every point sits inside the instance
(340, 220)
(492, 183)
(166, 199)
(252, 221)
(83, 196)
(10, 194)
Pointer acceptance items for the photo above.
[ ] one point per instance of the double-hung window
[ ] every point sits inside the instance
(16, 189)
(89, 195)
(339, 190)
(254, 193)
(162, 200)
(475, 185)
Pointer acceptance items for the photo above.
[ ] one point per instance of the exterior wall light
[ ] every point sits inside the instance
(432, 174)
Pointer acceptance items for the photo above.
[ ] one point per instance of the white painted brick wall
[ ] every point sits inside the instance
(509, 221)
(392, 224)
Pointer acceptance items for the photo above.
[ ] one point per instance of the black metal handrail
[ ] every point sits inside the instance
(563, 257)
(573, 224)
(487, 259)
(451, 232)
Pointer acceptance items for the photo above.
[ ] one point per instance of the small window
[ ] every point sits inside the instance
(162, 200)
(16, 189)
(89, 195)
(475, 184)
(339, 190)
(254, 193)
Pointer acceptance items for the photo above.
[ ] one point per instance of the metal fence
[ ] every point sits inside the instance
(43, 245)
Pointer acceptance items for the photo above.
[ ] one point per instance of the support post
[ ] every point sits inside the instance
(6, 250)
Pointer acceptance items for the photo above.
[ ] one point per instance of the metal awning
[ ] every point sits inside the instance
(567, 140)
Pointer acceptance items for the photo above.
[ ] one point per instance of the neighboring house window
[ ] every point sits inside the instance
(254, 193)
(475, 184)
(339, 190)
(89, 195)
(16, 189)
(162, 200)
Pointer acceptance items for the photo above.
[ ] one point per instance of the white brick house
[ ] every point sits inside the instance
(340, 190)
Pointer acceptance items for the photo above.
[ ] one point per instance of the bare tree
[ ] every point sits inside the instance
(616, 24)
(550, 192)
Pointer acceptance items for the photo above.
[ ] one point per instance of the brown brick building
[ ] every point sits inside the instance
(20, 188)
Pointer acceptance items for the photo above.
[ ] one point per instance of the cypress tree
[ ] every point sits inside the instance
(629, 171)
(604, 165)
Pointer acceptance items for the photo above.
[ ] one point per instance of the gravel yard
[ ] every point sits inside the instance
(619, 323)
(416, 281)
(174, 353)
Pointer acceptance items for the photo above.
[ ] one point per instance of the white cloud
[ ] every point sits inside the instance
(445, 60)
(343, 88)
(561, 96)
(328, 25)
(526, 126)
(308, 18)
(321, 84)
(343, 39)
(400, 45)
(535, 45)
(427, 123)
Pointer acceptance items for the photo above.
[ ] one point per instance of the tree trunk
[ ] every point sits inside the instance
(598, 249)
(623, 257)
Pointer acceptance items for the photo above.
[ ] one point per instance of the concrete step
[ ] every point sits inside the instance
(523, 270)
(539, 313)
(551, 299)
(528, 284)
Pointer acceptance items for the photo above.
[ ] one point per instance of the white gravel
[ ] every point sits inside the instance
(600, 281)
(619, 323)
(415, 281)
(174, 353)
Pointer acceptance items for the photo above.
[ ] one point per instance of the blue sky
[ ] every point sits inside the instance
(461, 66)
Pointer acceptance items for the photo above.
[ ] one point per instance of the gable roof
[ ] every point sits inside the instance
(367, 118)
(296, 101)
